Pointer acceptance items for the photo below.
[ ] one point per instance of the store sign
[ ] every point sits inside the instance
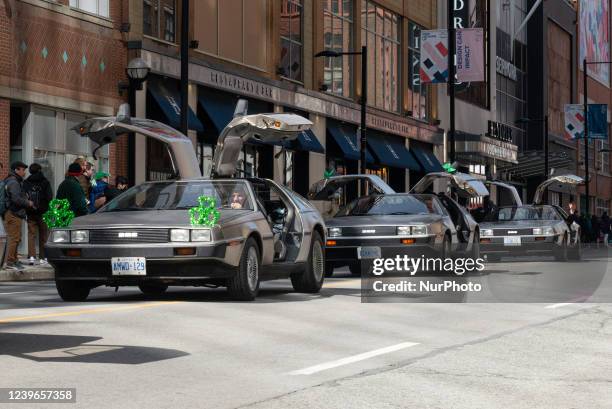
(461, 13)
(499, 131)
(505, 68)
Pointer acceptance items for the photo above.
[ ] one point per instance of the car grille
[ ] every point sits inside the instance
(124, 236)
(519, 232)
(364, 231)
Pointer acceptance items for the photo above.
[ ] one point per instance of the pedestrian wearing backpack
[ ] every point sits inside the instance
(17, 203)
(38, 189)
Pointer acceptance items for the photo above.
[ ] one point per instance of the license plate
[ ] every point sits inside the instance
(129, 266)
(512, 241)
(368, 252)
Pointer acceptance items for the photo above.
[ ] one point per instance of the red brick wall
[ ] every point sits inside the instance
(5, 117)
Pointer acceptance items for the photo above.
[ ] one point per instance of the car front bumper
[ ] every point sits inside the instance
(162, 264)
(529, 245)
(345, 252)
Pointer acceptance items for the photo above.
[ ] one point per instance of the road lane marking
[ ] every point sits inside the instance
(22, 292)
(84, 312)
(352, 359)
(563, 304)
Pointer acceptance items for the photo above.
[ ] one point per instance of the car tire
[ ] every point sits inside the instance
(355, 269)
(575, 253)
(329, 269)
(244, 286)
(311, 280)
(152, 289)
(445, 252)
(561, 252)
(72, 290)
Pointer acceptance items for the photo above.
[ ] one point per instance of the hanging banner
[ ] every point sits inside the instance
(470, 55)
(434, 56)
(598, 121)
(574, 121)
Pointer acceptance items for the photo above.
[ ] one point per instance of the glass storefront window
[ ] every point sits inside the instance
(417, 92)
(159, 19)
(99, 7)
(338, 36)
(291, 22)
(380, 33)
(45, 129)
(288, 169)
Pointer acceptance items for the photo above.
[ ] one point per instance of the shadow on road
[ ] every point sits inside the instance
(79, 349)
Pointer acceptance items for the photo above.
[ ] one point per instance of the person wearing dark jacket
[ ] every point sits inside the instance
(38, 189)
(70, 189)
(17, 204)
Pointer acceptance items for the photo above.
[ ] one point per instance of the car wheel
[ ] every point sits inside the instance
(446, 247)
(576, 251)
(355, 269)
(311, 280)
(329, 269)
(72, 290)
(561, 252)
(244, 285)
(153, 289)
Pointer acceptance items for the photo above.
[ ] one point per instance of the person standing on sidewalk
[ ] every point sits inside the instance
(70, 189)
(605, 227)
(18, 203)
(38, 189)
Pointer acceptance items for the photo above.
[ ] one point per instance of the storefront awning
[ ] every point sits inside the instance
(427, 159)
(307, 141)
(169, 100)
(347, 141)
(392, 152)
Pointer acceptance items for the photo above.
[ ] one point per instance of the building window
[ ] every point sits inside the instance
(477, 93)
(417, 92)
(291, 23)
(159, 19)
(99, 7)
(338, 36)
(381, 34)
(604, 159)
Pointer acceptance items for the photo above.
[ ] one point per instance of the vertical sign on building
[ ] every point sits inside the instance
(574, 121)
(434, 56)
(461, 14)
(598, 121)
(470, 55)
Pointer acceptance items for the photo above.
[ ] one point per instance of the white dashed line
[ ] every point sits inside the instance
(562, 304)
(352, 359)
(22, 292)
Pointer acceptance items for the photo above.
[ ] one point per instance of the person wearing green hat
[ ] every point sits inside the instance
(97, 196)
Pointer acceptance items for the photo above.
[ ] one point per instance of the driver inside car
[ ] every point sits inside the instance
(237, 199)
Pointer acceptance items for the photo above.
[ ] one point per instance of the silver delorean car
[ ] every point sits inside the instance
(532, 229)
(386, 224)
(144, 237)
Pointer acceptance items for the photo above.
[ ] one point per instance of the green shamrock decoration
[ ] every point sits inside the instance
(59, 214)
(206, 213)
(449, 168)
(328, 173)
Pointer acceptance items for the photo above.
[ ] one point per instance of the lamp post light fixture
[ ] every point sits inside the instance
(137, 71)
(364, 101)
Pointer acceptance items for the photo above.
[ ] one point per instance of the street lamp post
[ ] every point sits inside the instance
(545, 143)
(364, 101)
(184, 66)
(137, 72)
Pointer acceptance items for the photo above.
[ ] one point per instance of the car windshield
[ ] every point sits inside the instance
(176, 195)
(387, 205)
(516, 213)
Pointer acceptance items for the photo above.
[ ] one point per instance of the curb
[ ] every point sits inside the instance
(29, 274)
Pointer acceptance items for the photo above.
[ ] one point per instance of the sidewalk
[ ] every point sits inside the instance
(30, 273)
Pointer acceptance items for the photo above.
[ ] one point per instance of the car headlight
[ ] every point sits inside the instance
(403, 230)
(60, 236)
(200, 235)
(543, 231)
(419, 230)
(179, 235)
(486, 232)
(334, 231)
(79, 236)
(537, 231)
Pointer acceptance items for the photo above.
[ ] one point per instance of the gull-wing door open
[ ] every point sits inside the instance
(267, 128)
(571, 180)
(466, 185)
(105, 130)
(516, 198)
(325, 189)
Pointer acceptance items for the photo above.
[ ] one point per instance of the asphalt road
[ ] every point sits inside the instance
(194, 348)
